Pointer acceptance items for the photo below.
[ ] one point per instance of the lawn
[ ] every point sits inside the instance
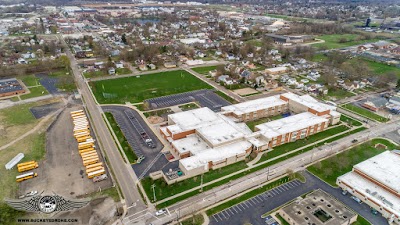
(361, 221)
(246, 196)
(337, 165)
(377, 67)
(59, 73)
(254, 123)
(319, 57)
(281, 220)
(339, 93)
(350, 121)
(333, 40)
(158, 112)
(30, 80)
(189, 106)
(197, 219)
(163, 190)
(226, 97)
(138, 88)
(291, 146)
(130, 154)
(110, 192)
(121, 71)
(364, 112)
(35, 92)
(204, 70)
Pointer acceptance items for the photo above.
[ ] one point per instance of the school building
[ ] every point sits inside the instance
(376, 182)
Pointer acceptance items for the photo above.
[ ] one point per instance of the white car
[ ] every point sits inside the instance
(161, 212)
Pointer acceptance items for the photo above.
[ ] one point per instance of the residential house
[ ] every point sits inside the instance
(111, 71)
(170, 65)
(382, 44)
(375, 104)
(119, 65)
(225, 79)
(142, 67)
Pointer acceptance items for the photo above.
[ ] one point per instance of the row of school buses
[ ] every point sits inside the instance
(86, 147)
(26, 166)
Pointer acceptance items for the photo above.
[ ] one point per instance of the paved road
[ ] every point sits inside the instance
(217, 194)
(123, 173)
(252, 209)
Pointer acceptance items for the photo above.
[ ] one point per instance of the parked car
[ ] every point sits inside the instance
(356, 199)
(344, 192)
(354, 141)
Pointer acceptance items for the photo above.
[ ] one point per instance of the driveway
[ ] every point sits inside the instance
(130, 122)
(250, 211)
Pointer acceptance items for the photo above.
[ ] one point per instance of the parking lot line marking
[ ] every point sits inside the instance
(290, 184)
(286, 188)
(236, 206)
(218, 216)
(215, 218)
(247, 202)
(274, 192)
(224, 215)
(259, 198)
(296, 182)
(230, 210)
(234, 209)
(244, 208)
(254, 201)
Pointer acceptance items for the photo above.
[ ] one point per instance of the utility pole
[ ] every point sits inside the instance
(153, 186)
(201, 184)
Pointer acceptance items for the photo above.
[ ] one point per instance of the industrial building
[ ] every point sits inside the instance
(375, 182)
(10, 87)
(203, 139)
(318, 208)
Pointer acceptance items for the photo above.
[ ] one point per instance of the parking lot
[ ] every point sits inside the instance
(44, 110)
(130, 123)
(245, 211)
(251, 210)
(49, 83)
(206, 98)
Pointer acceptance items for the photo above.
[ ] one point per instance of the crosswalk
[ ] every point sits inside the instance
(256, 200)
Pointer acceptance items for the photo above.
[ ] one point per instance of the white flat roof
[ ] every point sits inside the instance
(254, 105)
(372, 191)
(309, 101)
(277, 69)
(215, 154)
(221, 132)
(192, 143)
(289, 124)
(189, 120)
(384, 168)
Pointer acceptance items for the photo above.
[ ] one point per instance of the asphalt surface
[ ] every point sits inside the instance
(250, 211)
(154, 160)
(49, 83)
(123, 173)
(206, 98)
(44, 110)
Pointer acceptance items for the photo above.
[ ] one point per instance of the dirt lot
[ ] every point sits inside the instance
(62, 172)
(245, 91)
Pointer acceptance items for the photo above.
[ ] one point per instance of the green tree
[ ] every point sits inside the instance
(8, 215)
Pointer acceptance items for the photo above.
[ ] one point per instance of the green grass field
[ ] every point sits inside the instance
(226, 97)
(339, 93)
(254, 123)
(361, 221)
(95, 74)
(350, 121)
(35, 92)
(337, 165)
(204, 70)
(333, 40)
(138, 88)
(30, 80)
(130, 154)
(189, 106)
(197, 219)
(163, 190)
(365, 113)
(18, 115)
(121, 71)
(59, 73)
(281, 220)
(377, 67)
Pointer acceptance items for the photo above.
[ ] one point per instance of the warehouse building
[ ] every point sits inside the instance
(203, 139)
(10, 87)
(375, 182)
(318, 208)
